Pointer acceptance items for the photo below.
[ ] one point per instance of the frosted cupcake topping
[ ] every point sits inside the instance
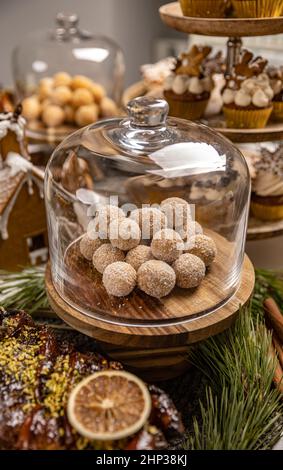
(269, 173)
(189, 73)
(276, 79)
(249, 86)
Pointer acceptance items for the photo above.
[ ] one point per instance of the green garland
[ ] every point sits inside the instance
(241, 408)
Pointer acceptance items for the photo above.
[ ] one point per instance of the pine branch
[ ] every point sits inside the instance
(24, 290)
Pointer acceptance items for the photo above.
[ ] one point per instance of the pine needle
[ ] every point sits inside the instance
(240, 405)
(23, 290)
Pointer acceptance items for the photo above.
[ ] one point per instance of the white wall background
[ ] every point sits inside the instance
(134, 24)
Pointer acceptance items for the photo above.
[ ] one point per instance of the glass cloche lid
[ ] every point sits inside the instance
(147, 217)
(77, 73)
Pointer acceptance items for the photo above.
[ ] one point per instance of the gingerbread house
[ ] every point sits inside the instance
(23, 231)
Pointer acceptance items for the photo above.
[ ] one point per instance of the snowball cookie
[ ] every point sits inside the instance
(189, 270)
(98, 91)
(61, 95)
(167, 245)
(139, 255)
(178, 214)
(31, 108)
(53, 115)
(119, 279)
(124, 234)
(103, 217)
(106, 254)
(81, 96)
(89, 244)
(62, 79)
(86, 114)
(108, 107)
(80, 81)
(156, 278)
(202, 246)
(150, 221)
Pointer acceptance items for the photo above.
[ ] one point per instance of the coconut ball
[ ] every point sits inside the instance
(194, 228)
(204, 247)
(80, 81)
(62, 79)
(88, 245)
(178, 214)
(189, 270)
(86, 114)
(81, 97)
(61, 95)
(104, 216)
(119, 279)
(167, 245)
(139, 255)
(150, 221)
(98, 91)
(124, 234)
(53, 115)
(106, 254)
(31, 108)
(108, 107)
(156, 278)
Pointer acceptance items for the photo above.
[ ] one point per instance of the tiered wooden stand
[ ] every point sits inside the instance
(150, 336)
(234, 29)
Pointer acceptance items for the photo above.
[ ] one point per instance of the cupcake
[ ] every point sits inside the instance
(257, 8)
(267, 186)
(205, 8)
(276, 80)
(187, 89)
(247, 97)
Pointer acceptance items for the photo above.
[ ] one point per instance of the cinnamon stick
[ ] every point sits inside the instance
(278, 348)
(274, 317)
(278, 373)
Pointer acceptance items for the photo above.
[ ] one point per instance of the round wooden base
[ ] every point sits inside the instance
(160, 352)
(171, 14)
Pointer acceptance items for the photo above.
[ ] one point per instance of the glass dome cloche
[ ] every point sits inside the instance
(147, 218)
(67, 78)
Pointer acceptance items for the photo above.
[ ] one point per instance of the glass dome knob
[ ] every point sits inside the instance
(67, 20)
(147, 112)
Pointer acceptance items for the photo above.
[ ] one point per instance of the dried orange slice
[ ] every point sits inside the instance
(109, 405)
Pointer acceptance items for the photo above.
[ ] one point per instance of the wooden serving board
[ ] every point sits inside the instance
(171, 14)
(138, 307)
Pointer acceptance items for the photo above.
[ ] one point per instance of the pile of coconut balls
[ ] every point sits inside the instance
(152, 249)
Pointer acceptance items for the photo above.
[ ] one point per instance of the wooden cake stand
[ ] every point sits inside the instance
(150, 336)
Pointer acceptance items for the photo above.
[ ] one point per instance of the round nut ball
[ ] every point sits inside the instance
(139, 255)
(124, 234)
(204, 247)
(156, 278)
(53, 115)
(69, 113)
(88, 245)
(61, 95)
(80, 81)
(103, 217)
(45, 88)
(178, 214)
(167, 245)
(62, 79)
(106, 254)
(31, 108)
(150, 221)
(86, 114)
(119, 279)
(189, 270)
(98, 91)
(108, 107)
(81, 96)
